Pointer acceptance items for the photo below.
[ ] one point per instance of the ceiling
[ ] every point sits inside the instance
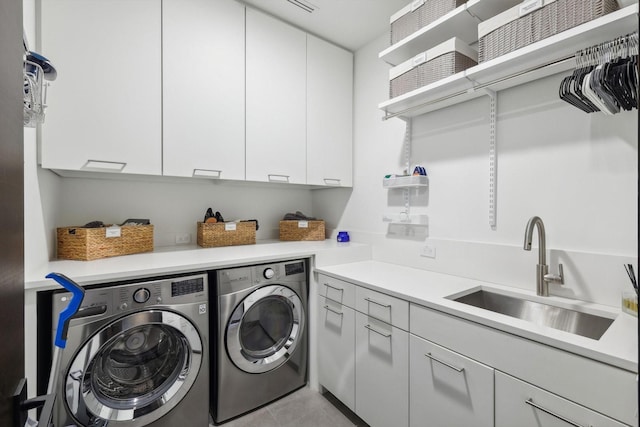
(347, 23)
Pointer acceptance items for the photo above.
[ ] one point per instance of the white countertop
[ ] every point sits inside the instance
(618, 346)
(191, 259)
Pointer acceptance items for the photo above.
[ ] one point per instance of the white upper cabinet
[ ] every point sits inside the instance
(276, 100)
(329, 114)
(105, 106)
(203, 88)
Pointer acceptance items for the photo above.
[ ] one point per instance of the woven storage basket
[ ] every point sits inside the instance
(301, 230)
(85, 244)
(444, 60)
(419, 14)
(213, 235)
(497, 38)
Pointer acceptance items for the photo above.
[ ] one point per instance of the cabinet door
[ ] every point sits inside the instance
(524, 405)
(276, 100)
(203, 88)
(336, 348)
(382, 373)
(329, 114)
(448, 389)
(104, 109)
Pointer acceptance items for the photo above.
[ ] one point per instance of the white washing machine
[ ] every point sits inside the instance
(136, 355)
(261, 342)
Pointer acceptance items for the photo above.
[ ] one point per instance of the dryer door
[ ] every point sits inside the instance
(265, 328)
(138, 368)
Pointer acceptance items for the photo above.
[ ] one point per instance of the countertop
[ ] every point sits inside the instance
(189, 259)
(618, 346)
(352, 262)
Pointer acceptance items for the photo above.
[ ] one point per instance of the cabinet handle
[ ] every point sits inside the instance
(442, 362)
(333, 287)
(104, 165)
(333, 311)
(278, 178)
(377, 332)
(378, 303)
(332, 181)
(553, 414)
(207, 173)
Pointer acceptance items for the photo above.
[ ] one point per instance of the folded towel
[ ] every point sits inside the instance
(297, 216)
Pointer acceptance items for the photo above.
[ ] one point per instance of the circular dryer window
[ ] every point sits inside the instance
(138, 367)
(265, 328)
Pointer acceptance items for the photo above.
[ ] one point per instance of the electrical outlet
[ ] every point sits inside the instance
(428, 251)
(183, 238)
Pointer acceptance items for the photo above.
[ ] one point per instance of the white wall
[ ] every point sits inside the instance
(174, 206)
(578, 172)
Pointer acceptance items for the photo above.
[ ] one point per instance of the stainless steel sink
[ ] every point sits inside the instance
(576, 322)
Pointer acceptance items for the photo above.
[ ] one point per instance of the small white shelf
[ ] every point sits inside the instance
(406, 181)
(461, 22)
(538, 60)
(403, 218)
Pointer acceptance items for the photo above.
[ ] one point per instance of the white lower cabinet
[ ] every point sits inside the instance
(524, 405)
(382, 373)
(448, 389)
(336, 362)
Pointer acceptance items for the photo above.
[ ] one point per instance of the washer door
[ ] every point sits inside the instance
(265, 328)
(138, 367)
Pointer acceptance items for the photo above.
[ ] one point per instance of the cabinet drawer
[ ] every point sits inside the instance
(522, 404)
(447, 388)
(336, 348)
(337, 290)
(383, 307)
(382, 368)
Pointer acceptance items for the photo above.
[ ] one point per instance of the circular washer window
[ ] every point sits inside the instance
(265, 329)
(138, 367)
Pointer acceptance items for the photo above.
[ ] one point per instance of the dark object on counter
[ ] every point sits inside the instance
(632, 276)
(94, 224)
(136, 221)
(343, 236)
(213, 217)
(297, 216)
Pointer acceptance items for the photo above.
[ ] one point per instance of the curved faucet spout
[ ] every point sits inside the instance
(528, 237)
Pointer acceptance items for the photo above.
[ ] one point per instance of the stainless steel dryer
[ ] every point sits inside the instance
(261, 339)
(136, 355)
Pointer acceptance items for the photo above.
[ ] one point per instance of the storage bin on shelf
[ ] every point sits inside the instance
(291, 230)
(528, 23)
(419, 14)
(86, 244)
(213, 235)
(439, 62)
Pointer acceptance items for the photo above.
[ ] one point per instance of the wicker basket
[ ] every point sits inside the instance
(419, 14)
(444, 60)
(85, 244)
(292, 230)
(213, 235)
(510, 31)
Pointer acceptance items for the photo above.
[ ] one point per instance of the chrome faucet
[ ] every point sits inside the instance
(543, 278)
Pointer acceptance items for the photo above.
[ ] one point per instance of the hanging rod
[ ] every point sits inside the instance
(388, 116)
(620, 47)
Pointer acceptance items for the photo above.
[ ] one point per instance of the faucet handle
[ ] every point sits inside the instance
(555, 278)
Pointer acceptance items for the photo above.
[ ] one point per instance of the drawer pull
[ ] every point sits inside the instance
(553, 414)
(377, 332)
(378, 303)
(333, 311)
(333, 287)
(104, 166)
(442, 362)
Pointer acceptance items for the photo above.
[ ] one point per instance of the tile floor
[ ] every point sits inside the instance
(302, 408)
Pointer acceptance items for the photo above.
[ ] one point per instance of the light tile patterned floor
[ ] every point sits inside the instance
(302, 408)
